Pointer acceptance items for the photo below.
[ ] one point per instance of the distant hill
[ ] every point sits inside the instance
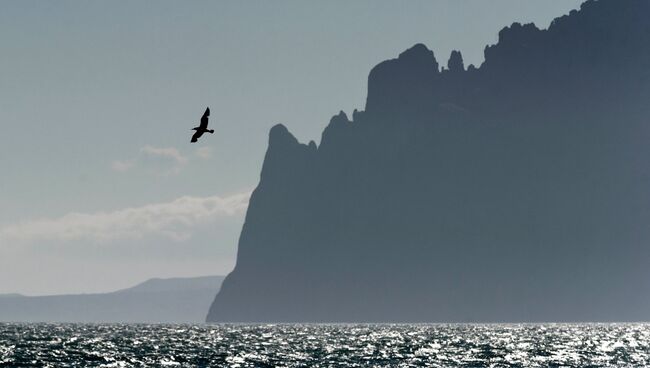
(157, 285)
(173, 300)
(517, 190)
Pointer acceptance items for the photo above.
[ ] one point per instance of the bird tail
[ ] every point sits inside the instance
(210, 131)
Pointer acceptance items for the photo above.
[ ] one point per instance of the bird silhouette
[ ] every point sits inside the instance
(203, 128)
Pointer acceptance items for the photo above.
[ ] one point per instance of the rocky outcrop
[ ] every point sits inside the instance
(516, 191)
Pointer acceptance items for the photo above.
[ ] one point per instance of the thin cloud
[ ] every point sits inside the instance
(163, 161)
(173, 220)
(204, 153)
(122, 166)
(170, 153)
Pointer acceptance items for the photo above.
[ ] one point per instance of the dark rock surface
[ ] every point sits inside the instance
(515, 191)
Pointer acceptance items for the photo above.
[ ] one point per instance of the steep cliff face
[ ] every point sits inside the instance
(516, 191)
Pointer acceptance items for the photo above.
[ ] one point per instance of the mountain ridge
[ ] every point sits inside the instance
(170, 300)
(511, 192)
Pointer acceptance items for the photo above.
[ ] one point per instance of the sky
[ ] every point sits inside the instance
(100, 187)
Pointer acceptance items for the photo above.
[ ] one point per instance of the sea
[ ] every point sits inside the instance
(313, 345)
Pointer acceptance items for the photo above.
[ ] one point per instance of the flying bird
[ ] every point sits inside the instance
(203, 128)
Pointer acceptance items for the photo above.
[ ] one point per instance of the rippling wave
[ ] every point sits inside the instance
(115, 345)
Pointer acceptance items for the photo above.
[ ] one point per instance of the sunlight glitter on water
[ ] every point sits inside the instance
(114, 345)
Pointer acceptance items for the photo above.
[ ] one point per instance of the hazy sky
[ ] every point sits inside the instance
(99, 185)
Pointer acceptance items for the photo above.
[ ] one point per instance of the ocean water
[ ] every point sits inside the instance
(508, 345)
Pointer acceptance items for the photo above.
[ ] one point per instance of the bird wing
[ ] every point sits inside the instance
(196, 136)
(204, 119)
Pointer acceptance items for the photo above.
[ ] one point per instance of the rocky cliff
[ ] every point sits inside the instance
(514, 191)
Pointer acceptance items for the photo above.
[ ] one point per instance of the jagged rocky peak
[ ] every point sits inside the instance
(455, 63)
(518, 33)
(334, 129)
(281, 153)
(516, 47)
(357, 115)
(419, 56)
(339, 119)
(280, 136)
(395, 82)
(620, 26)
(614, 8)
